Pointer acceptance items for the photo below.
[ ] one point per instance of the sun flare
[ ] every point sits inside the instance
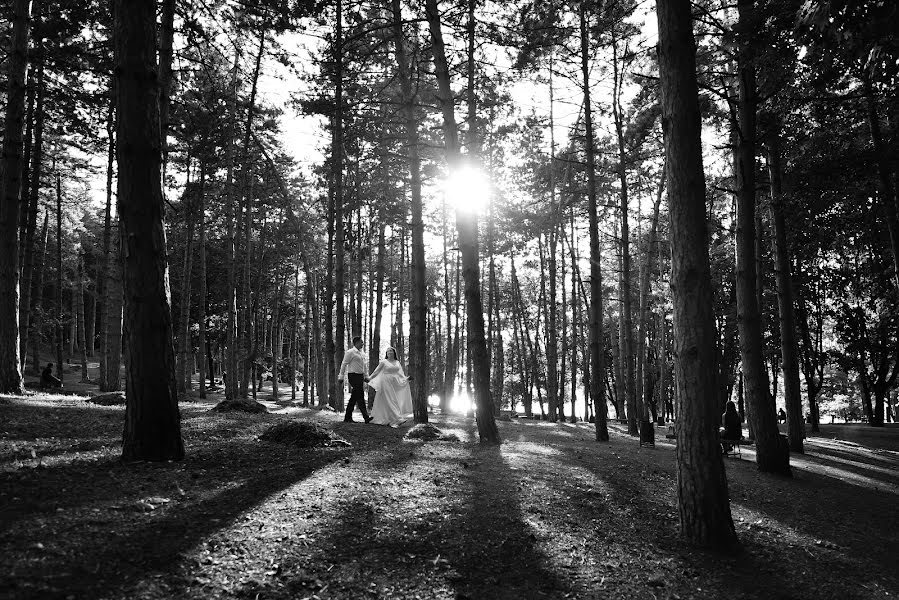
(467, 189)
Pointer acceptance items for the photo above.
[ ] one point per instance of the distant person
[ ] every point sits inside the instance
(48, 379)
(732, 424)
(781, 416)
(353, 367)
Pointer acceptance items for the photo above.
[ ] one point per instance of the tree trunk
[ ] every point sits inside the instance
(34, 172)
(788, 346)
(642, 317)
(467, 227)
(596, 351)
(152, 420)
(230, 364)
(201, 275)
(703, 503)
(627, 319)
(11, 381)
(60, 315)
(418, 354)
(450, 361)
(79, 319)
(184, 347)
(337, 347)
(771, 455)
(107, 260)
(38, 295)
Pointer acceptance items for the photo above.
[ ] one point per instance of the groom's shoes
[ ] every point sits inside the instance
(348, 421)
(369, 419)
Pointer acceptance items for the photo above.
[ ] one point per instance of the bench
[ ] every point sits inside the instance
(728, 447)
(732, 447)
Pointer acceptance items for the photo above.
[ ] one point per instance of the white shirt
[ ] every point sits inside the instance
(353, 362)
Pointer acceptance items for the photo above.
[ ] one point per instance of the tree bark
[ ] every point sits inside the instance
(627, 312)
(152, 420)
(201, 275)
(642, 317)
(107, 261)
(771, 455)
(703, 504)
(11, 381)
(339, 344)
(467, 227)
(183, 376)
(788, 345)
(79, 319)
(230, 367)
(60, 315)
(418, 354)
(31, 182)
(596, 350)
(38, 295)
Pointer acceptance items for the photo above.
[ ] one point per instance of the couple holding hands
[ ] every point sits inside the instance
(393, 401)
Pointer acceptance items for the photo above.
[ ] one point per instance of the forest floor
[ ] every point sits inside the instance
(548, 514)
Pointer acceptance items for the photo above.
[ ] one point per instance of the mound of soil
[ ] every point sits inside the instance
(247, 406)
(304, 434)
(429, 433)
(110, 399)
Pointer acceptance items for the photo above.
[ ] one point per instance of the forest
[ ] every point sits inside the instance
(610, 217)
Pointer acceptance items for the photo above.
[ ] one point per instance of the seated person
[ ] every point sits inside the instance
(781, 416)
(47, 378)
(733, 425)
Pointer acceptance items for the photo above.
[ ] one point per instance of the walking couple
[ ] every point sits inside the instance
(393, 401)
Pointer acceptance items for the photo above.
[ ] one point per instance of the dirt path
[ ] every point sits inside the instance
(549, 514)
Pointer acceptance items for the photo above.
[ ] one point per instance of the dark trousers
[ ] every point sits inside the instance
(357, 396)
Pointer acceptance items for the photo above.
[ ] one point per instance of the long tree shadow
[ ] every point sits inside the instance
(800, 521)
(444, 523)
(99, 538)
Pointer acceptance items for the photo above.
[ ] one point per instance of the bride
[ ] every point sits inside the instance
(393, 402)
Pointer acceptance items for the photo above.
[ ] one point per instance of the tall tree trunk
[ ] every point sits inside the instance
(418, 353)
(166, 43)
(575, 320)
(294, 342)
(79, 319)
(245, 324)
(788, 345)
(184, 347)
(642, 316)
(90, 313)
(11, 381)
(60, 315)
(703, 503)
(38, 295)
(152, 420)
(771, 456)
(627, 319)
(337, 346)
(467, 227)
(114, 302)
(450, 362)
(34, 171)
(107, 260)
(231, 351)
(201, 275)
(596, 351)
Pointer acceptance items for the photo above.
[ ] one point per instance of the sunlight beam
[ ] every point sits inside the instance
(467, 190)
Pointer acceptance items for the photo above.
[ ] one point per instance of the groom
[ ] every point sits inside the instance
(354, 365)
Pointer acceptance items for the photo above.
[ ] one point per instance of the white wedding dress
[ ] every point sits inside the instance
(393, 401)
